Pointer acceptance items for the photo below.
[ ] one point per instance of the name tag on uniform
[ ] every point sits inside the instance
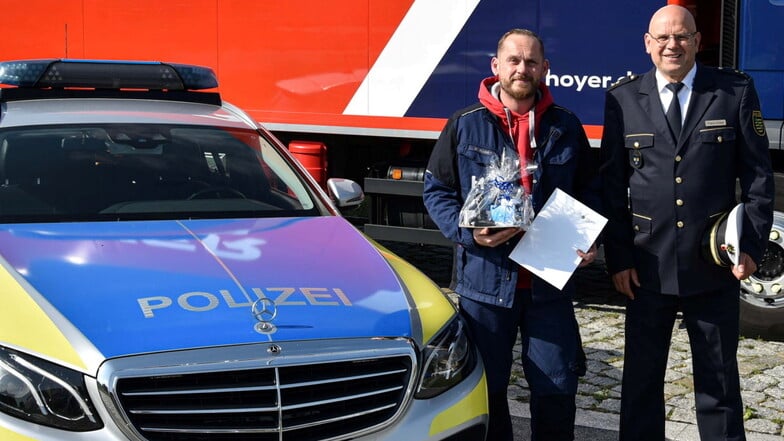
(716, 123)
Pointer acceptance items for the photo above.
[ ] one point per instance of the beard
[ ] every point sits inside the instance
(519, 90)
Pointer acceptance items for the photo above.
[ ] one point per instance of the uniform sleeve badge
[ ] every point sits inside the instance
(758, 122)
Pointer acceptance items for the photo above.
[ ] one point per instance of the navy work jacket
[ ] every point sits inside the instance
(469, 141)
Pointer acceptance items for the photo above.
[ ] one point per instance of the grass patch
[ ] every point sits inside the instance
(749, 413)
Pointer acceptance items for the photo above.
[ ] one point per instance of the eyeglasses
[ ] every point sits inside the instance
(662, 40)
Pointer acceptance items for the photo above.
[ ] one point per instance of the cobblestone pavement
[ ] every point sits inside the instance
(600, 313)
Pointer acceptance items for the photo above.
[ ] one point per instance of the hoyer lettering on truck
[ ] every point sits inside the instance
(202, 301)
(579, 82)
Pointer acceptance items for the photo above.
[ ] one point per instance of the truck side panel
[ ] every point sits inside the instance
(589, 44)
(308, 60)
(760, 55)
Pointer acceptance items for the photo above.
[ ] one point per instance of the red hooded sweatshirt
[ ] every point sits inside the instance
(518, 127)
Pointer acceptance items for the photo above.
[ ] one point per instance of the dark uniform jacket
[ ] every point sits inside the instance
(676, 188)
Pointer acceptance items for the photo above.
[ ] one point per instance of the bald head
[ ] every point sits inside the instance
(670, 15)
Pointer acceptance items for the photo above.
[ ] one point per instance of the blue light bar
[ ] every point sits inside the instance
(106, 74)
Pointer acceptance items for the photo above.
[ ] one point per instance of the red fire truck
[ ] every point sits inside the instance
(361, 88)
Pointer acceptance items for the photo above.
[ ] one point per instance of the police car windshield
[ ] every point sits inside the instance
(144, 171)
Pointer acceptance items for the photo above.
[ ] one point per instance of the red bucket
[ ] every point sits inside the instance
(313, 156)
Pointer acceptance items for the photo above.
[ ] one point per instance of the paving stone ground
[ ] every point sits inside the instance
(600, 313)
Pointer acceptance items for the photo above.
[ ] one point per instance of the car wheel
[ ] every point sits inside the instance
(761, 295)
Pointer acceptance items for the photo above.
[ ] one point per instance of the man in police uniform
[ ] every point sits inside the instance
(669, 173)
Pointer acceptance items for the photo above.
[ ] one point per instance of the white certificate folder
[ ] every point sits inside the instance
(549, 247)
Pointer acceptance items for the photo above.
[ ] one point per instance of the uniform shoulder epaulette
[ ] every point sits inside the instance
(735, 72)
(624, 80)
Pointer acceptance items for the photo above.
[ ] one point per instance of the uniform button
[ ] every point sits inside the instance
(678, 180)
(636, 144)
(678, 158)
(636, 228)
(679, 224)
(679, 202)
(719, 139)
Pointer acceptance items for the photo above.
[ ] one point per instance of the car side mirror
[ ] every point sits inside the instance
(345, 192)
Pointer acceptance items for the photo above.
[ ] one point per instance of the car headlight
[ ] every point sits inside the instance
(44, 393)
(448, 358)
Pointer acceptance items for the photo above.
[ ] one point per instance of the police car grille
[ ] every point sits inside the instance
(310, 402)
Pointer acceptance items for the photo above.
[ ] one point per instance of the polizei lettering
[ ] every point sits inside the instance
(202, 301)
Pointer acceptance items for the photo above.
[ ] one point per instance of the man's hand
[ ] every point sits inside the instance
(745, 267)
(492, 237)
(623, 282)
(588, 257)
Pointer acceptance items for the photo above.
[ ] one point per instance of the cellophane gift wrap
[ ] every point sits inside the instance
(498, 199)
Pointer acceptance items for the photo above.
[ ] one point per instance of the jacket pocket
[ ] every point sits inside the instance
(717, 135)
(635, 144)
(559, 170)
(641, 224)
(478, 154)
(636, 141)
(565, 155)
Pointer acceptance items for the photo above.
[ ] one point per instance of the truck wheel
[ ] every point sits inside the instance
(762, 294)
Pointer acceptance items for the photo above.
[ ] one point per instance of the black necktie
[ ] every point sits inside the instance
(674, 112)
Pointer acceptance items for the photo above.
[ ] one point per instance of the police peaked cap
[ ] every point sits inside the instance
(721, 241)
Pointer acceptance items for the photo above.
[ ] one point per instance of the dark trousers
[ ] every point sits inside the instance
(552, 360)
(711, 321)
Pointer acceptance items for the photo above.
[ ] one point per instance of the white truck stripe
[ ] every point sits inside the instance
(409, 58)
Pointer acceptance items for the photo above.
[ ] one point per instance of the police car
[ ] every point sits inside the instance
(169, 272)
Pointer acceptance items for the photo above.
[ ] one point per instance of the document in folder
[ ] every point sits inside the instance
(549, 247)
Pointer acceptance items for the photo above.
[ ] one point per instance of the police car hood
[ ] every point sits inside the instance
(138, 287)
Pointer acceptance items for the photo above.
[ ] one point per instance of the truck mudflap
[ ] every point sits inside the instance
(762, 294)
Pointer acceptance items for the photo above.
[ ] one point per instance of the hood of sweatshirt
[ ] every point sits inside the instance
(489, 91)
(518, 125)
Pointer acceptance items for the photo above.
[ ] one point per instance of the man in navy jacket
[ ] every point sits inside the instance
(666, 182)
(516, 115)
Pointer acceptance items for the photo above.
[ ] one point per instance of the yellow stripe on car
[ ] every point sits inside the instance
(471, 406)
(26, 325)
(7, 435)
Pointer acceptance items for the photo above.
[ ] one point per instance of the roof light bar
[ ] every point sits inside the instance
(106, 74)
